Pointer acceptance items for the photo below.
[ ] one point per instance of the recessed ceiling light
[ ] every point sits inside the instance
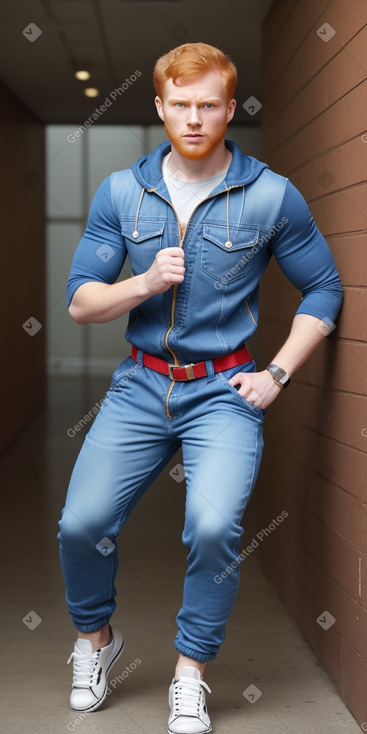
(91, 92)
(82, 75)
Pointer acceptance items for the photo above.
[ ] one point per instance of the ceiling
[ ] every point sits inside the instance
(44, 41)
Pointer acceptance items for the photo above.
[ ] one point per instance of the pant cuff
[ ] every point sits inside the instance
(201, 657)
(87, 628)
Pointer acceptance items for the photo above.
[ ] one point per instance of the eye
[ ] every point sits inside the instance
(179, 104)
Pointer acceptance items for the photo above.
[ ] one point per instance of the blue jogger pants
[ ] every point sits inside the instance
(141, 424)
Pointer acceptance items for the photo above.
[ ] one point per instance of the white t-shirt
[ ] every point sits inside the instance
(187, 195)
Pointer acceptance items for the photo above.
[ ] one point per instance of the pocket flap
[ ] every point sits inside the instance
(144, 231)
(240, 237)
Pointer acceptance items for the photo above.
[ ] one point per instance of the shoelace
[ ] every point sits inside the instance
(188, 695)
(85, 671)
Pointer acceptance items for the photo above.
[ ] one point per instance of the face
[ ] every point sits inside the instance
(196, 114)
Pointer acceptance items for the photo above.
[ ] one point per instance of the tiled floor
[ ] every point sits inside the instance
(262, 648)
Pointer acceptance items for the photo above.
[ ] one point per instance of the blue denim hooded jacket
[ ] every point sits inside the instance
(251, 215)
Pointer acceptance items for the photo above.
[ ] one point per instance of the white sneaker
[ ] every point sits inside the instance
(189, 714)
(90, 671)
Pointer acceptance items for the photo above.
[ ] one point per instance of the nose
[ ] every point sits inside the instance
(193, 116)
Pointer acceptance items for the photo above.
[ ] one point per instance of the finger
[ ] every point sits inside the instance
(165, 266)
(179, 264)
(168, 261)
(253, 397)
(238, 379)
(175, 251)
(175, 268)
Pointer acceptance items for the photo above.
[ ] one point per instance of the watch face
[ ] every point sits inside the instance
(279, 374)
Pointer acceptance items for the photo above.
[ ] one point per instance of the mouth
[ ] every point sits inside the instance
(193, 136)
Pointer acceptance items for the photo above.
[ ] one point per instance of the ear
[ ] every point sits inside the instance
(159, 106)
(231, 109)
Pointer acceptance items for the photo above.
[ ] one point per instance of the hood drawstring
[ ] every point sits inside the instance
(228, 243)
(135, 233)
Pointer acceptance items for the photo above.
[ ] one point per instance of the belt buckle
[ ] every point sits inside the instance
(187, 367)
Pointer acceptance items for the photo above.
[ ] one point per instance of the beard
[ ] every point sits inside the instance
(195, 151)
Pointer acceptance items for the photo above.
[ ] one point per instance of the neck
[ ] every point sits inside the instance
(217, 161)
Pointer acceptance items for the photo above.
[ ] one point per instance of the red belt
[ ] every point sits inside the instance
(194, 370)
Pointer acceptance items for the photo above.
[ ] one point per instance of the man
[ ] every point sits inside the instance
(199, 222)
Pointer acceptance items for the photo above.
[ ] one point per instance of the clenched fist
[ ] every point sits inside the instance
(168, 268)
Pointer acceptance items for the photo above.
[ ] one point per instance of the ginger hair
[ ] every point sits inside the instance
(191, 60)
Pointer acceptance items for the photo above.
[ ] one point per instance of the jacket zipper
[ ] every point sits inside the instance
(173, 306)
(174, 295)
(249, 310)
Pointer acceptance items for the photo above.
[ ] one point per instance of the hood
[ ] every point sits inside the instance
(243, 169)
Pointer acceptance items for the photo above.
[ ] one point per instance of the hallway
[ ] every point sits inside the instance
(263, 647)
(77, 102)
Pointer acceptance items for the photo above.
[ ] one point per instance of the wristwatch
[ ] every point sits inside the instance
(279, 375)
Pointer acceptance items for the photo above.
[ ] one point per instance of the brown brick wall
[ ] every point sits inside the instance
(315, 465)
(22, 265)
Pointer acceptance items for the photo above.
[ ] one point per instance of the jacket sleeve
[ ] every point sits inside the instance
(305, 258)
(101, 252)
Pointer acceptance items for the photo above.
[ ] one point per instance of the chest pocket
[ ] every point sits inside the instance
(227, 261)
(142, 243)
